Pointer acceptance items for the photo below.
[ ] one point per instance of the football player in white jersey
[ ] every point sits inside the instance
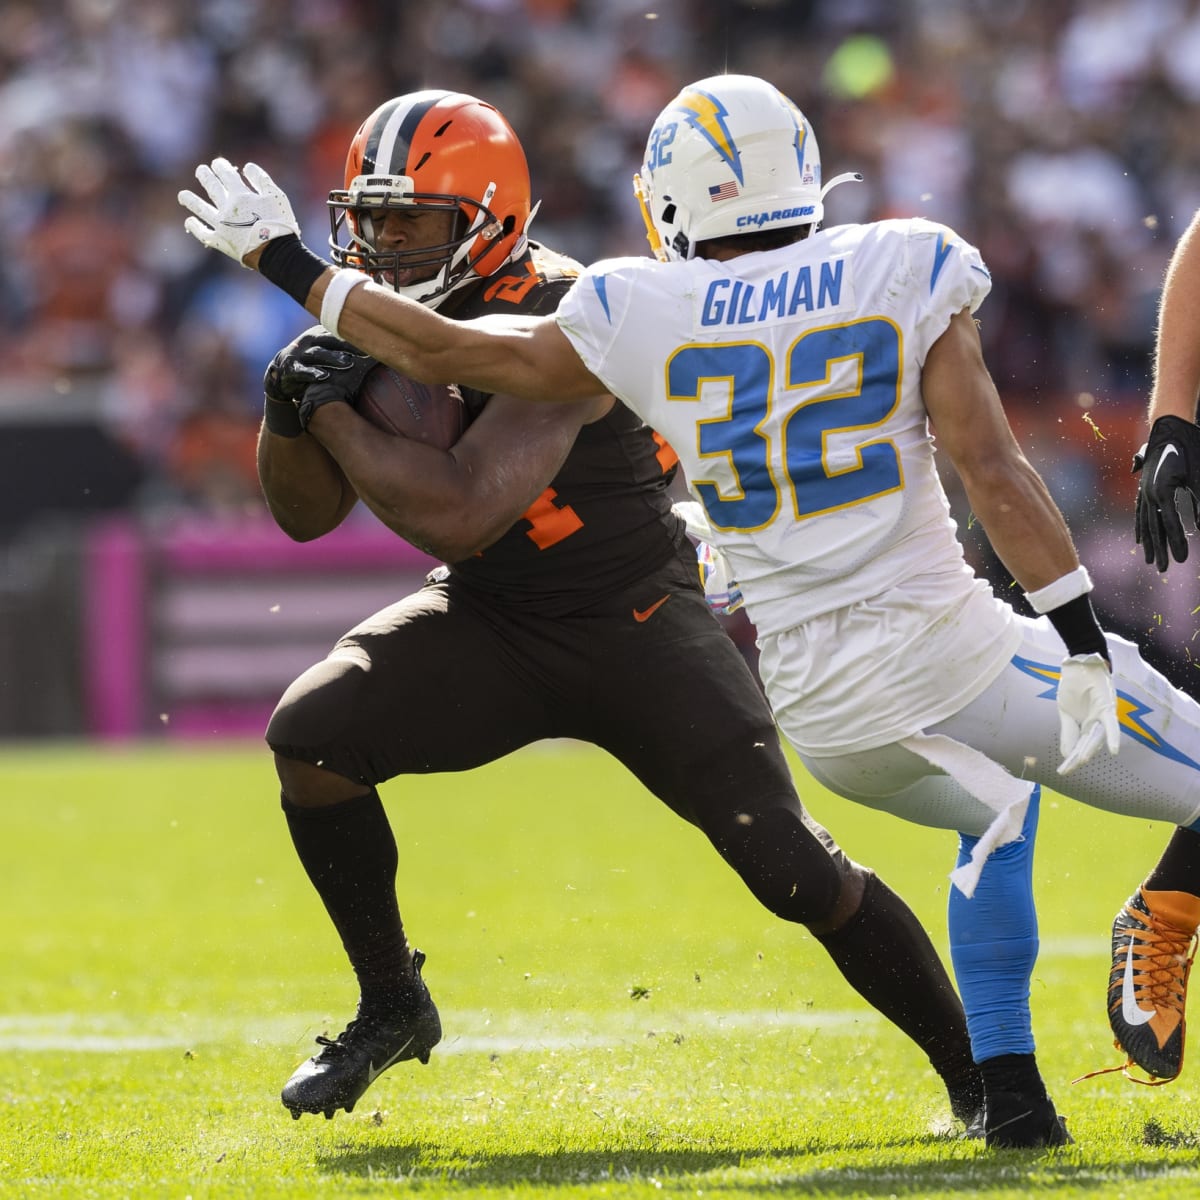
(800, 375)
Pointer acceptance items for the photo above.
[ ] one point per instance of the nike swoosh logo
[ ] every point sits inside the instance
(1162, 459)
(647, 613)
(1133, 1014)
(373, 1072)
(254, 220)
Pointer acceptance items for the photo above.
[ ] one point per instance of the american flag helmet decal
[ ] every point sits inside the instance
(723, 191)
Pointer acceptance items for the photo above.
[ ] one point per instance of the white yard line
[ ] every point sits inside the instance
(80, 1033)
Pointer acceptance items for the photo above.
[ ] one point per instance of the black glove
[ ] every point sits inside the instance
(338, 374)
(285, 380)
(1169, 463)
(315, 358)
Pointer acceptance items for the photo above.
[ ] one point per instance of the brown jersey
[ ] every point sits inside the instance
(605, 519)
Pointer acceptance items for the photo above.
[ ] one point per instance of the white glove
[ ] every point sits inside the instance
(1087, 710)
(240, 218)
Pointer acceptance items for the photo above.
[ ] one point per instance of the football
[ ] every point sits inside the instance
(431, 413)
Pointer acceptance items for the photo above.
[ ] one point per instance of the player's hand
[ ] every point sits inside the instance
(1087, 711)
(287, 376)
(336, 370)
(291, 371)
(1169, 463)
(241, 214)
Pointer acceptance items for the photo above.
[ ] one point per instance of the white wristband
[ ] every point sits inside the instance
(1066, 587)
(340, 286)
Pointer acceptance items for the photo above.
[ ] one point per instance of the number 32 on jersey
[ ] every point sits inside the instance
(798, 466)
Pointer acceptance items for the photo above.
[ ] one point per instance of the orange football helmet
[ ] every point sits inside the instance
(434, 150)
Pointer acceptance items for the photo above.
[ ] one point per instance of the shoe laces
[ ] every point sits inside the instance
(1126, 1068)
(1163, 955)
(1162, 958)
(335, 1047)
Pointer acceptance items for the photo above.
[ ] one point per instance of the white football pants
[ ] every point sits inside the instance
(1155, 776)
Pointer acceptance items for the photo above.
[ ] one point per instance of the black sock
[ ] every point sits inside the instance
(1013, 1073)
(349, 854)
(886, 956)
(1178, 870)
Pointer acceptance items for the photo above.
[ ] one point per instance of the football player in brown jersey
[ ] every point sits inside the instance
(570, 607)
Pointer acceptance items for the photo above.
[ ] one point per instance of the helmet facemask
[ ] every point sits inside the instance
(436, 270)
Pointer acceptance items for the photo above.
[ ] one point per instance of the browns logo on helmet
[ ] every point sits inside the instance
(434, 150)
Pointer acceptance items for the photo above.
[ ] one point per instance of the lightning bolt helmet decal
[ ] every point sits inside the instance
(707, 115)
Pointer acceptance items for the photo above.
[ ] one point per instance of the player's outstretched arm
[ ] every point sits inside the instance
(248, 218)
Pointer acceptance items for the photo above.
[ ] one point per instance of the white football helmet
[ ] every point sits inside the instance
(730, 154)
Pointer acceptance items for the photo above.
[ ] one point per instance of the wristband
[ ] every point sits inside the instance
(1066, 587)
(281, 418)
(1076, 624)
(289, 264)
(334, 299)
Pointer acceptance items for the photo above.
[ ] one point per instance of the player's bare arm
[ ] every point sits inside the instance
(1023, 524)
(452, 496)
(1168, 499)
(526, 357)
(1026, 529)
(453, 503)
(1177, 352)
(306, 491)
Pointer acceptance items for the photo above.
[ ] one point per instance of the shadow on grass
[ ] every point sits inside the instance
(764, 1169)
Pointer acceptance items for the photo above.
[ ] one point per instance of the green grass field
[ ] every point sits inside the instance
(621, 1018)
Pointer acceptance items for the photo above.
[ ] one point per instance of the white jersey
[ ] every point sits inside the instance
(788, 382)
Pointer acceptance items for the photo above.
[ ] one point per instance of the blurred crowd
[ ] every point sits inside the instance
(1060, 136)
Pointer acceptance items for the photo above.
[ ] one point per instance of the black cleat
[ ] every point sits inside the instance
(1018, 1121)
(374, 1041)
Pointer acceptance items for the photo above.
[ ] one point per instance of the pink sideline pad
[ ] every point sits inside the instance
(122, 562)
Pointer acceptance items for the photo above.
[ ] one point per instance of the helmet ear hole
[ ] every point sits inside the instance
(668, 214)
